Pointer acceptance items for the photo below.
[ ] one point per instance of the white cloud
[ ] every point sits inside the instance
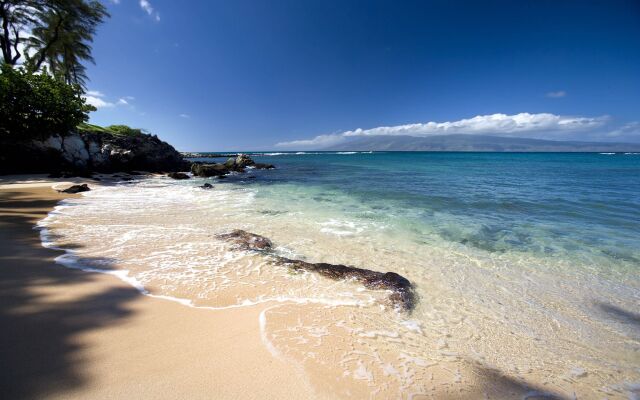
(145, 5)
(628, 130)
(523, 125)
(557, 94)
(97, 102)
(98, 99)
(148, 8)
(185, 116)
(497, 124)
(115, 1)
(95, 93)
(316, 142)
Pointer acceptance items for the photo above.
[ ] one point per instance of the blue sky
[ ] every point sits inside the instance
(259, 75)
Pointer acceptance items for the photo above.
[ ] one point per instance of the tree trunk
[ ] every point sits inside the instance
(5, 39)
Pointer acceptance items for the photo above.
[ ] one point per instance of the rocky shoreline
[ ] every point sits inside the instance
(87, 154)
(81, 153)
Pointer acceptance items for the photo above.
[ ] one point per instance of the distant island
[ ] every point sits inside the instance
(462, 142)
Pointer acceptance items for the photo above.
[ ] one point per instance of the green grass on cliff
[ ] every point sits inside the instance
(116, 130)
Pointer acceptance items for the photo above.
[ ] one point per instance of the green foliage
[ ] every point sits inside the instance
(59, 36)
(37, 105)
(117, 130)
(90, 128)
(63, 38)
(124, 130)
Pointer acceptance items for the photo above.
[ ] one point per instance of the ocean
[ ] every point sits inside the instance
(526, 265)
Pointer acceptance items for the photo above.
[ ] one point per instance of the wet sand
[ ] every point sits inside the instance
(72, 334)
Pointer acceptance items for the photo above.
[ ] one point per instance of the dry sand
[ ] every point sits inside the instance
(72, 334)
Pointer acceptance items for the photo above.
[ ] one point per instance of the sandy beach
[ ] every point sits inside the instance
(319, 200)
(72, 334)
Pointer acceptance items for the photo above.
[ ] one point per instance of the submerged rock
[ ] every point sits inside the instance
(247, 241)
(76, 189)
(206, 186)
(178, 175)
(402, 291)
(402, 294)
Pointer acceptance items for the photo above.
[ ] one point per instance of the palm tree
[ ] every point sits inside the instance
(63, 39)
(15, 17)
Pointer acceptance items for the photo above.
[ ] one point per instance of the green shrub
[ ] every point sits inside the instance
(117, 130)
(90, 128)
(35, 106)
(124, 130)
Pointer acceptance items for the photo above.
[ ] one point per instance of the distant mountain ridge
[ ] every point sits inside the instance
(461, 142)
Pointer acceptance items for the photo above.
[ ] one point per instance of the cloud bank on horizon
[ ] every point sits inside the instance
(525, 125)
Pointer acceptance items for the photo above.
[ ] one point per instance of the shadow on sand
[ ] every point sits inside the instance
(40, 354)
(495, 385)
(626, 316)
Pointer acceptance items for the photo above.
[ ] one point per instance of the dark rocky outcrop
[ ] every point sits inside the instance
(207, 170)
(89, 151)
(239, 164)
(243, 161)
(247, 241)
(402, 294)
(230, 164)
(178, 175)
(263, 166)
(76, 189)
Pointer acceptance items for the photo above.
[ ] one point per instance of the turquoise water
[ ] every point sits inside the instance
(526, 265)
(583, 206)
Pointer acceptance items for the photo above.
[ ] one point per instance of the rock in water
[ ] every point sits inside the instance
(247, 241)
(207, 186)
(76, 189)
(231, 165)
(402, 294)
(263, 166)
(207, 170)
(401, 289)
(243, 161)
(178, 175)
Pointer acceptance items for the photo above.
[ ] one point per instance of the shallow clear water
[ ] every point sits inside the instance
(527, 264)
